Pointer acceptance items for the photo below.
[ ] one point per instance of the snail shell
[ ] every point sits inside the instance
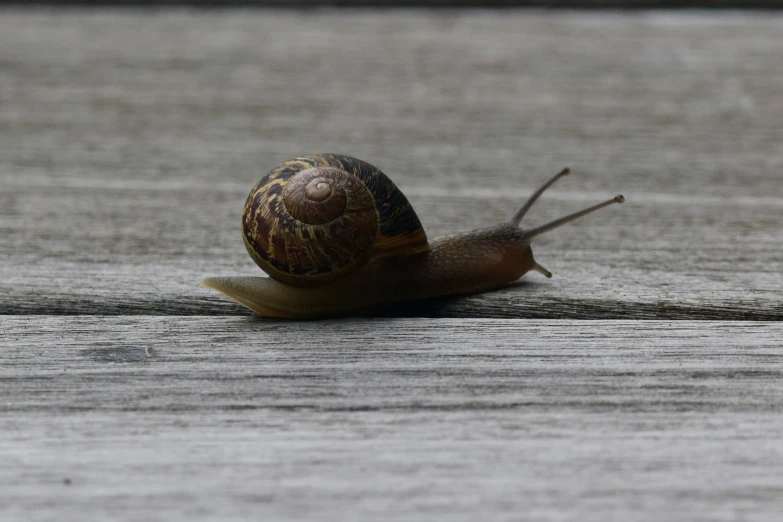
(316, 218)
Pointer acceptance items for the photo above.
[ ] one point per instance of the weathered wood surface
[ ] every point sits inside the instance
(296, 4)
(182, 418)
(130, 140)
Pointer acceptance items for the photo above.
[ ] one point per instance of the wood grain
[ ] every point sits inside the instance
(130, 140)
(183, 418)
(300, 4)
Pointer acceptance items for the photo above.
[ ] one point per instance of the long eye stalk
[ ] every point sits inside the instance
(529, 234)
(519, 214)
(533, 232)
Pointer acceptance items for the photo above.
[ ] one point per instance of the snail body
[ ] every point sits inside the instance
(337, 237)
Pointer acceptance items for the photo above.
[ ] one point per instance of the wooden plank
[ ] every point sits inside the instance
(607, 267)
(299, 4)
(130, 140)
(183, 418)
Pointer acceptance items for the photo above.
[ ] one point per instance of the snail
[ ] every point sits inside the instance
(337, 237)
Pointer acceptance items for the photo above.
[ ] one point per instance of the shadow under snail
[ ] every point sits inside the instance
(337, 237)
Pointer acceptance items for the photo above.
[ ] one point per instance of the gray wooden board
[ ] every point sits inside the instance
(130, 140)
(300, 4)
(182, 418)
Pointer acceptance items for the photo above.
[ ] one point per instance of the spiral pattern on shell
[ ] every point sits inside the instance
(315, 218)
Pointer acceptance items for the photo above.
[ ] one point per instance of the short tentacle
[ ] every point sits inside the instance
(541, 270)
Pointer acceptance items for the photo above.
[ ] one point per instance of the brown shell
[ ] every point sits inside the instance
(315, 218)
